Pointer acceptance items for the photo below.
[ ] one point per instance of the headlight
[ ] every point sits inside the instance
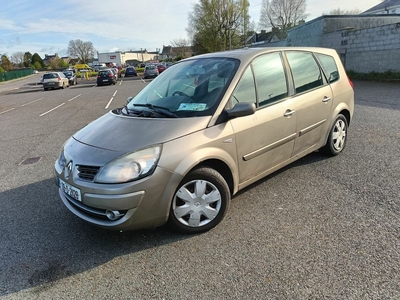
(130, 167)
(62, 161)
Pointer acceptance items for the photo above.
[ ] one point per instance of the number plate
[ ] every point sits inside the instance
(105, 80)
(70, 190)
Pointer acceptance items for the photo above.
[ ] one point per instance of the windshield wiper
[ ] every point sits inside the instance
(164, 111)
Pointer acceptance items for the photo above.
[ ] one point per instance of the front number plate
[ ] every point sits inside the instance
(70, 190)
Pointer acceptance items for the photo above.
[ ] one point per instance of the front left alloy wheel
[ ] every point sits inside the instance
(200, 202)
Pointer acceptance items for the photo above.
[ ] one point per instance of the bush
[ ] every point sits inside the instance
(389, 75)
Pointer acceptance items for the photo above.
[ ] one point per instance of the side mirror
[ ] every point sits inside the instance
(129, 99)
(242, 109)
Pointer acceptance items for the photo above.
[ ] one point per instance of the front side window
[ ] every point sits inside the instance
(305, 70)
(270, 78)
(245, 90)
(188, 89)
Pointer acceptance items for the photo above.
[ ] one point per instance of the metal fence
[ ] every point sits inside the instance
(14, 74)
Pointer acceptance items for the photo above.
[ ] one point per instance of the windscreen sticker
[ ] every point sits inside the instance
(192, 106)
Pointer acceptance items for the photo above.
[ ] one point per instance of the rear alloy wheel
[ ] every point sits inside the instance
(337, 137)
(200, 202)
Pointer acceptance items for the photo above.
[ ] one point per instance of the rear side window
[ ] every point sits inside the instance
(270, 78)
(305, 70)
(329, 66)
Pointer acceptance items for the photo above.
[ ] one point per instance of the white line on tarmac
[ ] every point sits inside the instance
(75, 97)
(3, 112)
(32, 101)
(51, 110)
(115, 93)
(109, 102)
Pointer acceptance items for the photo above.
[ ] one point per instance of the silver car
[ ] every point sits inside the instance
(204, 129)
(54, 80)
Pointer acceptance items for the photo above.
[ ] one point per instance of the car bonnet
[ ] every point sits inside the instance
(127, 134)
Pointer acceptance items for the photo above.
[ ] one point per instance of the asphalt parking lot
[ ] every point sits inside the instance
(321, 228)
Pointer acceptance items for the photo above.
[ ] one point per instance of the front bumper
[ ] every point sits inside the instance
(140, 204)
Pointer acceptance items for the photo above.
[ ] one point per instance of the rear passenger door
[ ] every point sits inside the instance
(264, 139)
(313, 99)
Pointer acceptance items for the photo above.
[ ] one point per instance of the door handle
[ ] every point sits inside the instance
(288, 113)
(326, 99)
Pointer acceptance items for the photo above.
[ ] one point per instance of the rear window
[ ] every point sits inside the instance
(50, 75)
(150, 67)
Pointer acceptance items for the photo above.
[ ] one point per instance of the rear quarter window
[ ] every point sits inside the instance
(329, 66)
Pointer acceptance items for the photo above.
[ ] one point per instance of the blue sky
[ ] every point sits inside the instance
(46, 27)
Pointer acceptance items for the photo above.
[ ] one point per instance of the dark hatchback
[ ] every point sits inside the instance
(130, 71)
(106, 77)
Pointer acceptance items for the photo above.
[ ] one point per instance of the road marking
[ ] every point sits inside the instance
(109, 102)
(51, 110)
(74, 97)
(3, 112)
(120, 82)
(115, 93)
(32, 102)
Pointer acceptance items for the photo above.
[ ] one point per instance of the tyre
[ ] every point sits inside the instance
(337, 137)
(200, 202)
(46, 89)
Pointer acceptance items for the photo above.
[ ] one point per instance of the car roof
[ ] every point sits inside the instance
(247, 54)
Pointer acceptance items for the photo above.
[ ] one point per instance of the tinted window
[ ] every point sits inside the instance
(49, 75)
(329, 66)
(270, 78)
(245, 90)
(305, 70)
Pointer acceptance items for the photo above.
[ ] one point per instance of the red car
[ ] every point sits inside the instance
(161, 68)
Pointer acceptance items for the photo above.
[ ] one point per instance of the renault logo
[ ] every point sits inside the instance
(68, 169)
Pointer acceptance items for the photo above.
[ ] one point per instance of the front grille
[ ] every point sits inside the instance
(87, 172)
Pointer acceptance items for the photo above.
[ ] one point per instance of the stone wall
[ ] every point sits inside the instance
(365, 42)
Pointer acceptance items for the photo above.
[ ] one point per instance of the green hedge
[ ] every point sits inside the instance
(374, 76)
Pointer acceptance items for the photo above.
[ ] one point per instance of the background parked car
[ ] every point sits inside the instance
(150, 71)
(106, 77)
(55, 80)
(130, 71)
(71, 77)
(117, 73)
(161, 68)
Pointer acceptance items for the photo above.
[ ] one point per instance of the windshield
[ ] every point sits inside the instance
(188, 89)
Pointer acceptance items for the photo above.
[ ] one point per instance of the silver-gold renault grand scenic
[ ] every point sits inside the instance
(201, 131)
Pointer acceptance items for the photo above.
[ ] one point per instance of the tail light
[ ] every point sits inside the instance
(351, 83)
(111, 75)
(59, 78)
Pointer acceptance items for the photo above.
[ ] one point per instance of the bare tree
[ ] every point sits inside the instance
(281, 15)
(17, 58)
(82, 50)
(339, 12)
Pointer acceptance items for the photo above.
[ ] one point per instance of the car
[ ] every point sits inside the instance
(71, 77)
(130, 71)
(150, 71)
(211, 126)
(106, 76)
(117, 73)
(161, 68)
(54, 80)
(35, 72)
